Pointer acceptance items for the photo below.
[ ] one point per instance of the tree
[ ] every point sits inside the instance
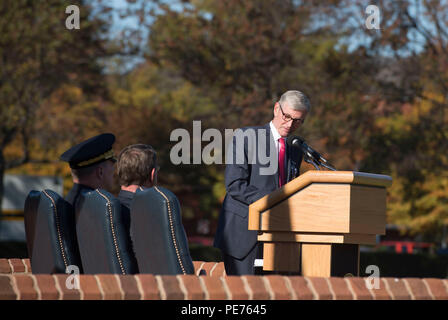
(146, 106)
(410, 135)
(241, 55)
(38, 55)
(239, 50)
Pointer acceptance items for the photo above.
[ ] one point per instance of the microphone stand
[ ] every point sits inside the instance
(310, 160)
(328, 166)
(310, 156)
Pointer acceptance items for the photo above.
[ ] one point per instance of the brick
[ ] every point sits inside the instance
(397, 288)
(278, 287)
(89, 287)
(219, 270)
(300, 289)
(379, 290)
(148, 285)
(25, 286)
(172, 288)
(67, 294)
(437, 288)
(47, 287)
(340, 289)
(27, 264)
(214, 271)
(257, 287)
(418, 289)
(4, 266)
(321, 288)
(109, 287)
(17, 265)
(214, 288)
(193, 287)
(129, 287)
(359, 288)
(236, 287)
(197, 266)
(208, 266)
(213, 268)
(6, 288)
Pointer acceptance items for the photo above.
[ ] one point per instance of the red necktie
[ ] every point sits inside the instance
(281, 162)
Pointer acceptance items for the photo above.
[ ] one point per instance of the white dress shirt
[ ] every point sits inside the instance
(275, 134)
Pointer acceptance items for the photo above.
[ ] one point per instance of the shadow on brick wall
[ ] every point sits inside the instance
(198, 252)
(13, 249)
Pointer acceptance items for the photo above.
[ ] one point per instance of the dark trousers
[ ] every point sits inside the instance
(236, 267)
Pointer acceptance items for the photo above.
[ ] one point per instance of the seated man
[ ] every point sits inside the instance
(92, 165)
(136, 168)
(155, 225)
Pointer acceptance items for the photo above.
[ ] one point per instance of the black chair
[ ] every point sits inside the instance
(158, 236)
(50, 233)
(102, 229)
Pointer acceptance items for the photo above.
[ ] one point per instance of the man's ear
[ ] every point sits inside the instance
(99, 172)
(153, 176)
(276, 108)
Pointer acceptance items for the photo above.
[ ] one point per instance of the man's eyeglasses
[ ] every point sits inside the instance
(287, 117)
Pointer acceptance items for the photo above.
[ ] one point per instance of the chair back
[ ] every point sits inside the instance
(102, 228)
(158, 236)
(50, 233)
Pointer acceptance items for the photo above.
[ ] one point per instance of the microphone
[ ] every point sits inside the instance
(294, 141)
(310, 153)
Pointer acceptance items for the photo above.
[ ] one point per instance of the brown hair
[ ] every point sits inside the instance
(135, 163)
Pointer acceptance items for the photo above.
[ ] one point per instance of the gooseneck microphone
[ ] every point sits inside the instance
(310, 155)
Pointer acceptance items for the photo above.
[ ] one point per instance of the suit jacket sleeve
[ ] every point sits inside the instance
(237, 179)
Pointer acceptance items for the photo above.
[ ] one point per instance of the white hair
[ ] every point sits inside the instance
(296, 100)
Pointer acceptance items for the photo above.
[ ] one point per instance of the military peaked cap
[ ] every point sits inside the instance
(90, 152)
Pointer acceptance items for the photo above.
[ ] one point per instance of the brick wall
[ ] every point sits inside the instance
(17, 282)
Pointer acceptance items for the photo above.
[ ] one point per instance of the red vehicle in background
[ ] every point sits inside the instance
(408, 246)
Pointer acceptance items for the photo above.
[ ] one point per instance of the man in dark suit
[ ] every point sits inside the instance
(249, 177)
(92, 165)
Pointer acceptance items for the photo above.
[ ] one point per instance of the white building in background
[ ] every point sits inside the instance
(16, 189)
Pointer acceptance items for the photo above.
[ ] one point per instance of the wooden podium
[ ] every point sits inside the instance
(314, 224)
